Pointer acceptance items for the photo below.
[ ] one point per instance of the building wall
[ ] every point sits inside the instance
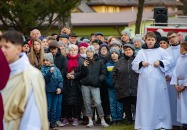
(106, 9)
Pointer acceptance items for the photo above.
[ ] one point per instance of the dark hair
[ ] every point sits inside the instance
(184, 45)
(13, 36)
(150, 34)
(170, 33)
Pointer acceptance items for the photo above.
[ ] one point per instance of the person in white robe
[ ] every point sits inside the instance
(24, 99)
(174, 51)
(153, 108)
(179, 79)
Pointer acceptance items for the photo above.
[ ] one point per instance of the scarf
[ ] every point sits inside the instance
(72, 62)
(4, 75)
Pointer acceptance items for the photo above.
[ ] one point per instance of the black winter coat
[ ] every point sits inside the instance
(124, 78)
(72, 88)
(96, 73)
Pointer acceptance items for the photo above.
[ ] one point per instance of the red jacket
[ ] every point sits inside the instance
(4, 75)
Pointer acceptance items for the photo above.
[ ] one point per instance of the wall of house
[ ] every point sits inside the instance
(106, 9)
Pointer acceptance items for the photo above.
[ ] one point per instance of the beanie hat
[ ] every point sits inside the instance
(104, 45)
(129, 45)
(59, 43)
(83, 44)
(86, 40)
(90, 48)
(115, 50)
(127, 32)
(98, 33)
(163, 39)
(53, 43)
(62, 36)
(97, 41)
(138, 39)
(49, 57)
(115, 42)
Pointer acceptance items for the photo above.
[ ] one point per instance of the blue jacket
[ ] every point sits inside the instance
(52, 80)
(109, 67)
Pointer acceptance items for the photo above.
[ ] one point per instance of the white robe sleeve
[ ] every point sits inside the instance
(174, 77)
(136, 62)
(31, 118)
(167, 61)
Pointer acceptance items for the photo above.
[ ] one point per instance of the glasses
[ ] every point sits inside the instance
(171, 37)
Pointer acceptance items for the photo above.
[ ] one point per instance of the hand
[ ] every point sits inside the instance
(86, 63)
(156, 63)
(181, 88)
(68, 75)
(58, 91)
(145, 64)
(168, 78)
(52, 69)
(72, 77)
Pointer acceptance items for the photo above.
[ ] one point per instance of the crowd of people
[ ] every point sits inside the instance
(96, 79)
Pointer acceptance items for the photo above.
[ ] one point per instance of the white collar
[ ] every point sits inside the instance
(19, 65)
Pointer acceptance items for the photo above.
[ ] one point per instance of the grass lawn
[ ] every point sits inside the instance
(120, 127)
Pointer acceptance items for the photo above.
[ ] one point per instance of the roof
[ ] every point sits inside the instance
(110, 19)
(135, 2)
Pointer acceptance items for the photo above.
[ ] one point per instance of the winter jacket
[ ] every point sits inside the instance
(124, 78)
(109, 66)
(96, 73)
(52, 80)
(72, 90)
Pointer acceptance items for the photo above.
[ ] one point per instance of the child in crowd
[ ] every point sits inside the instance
(137, 41)
(153, 108)
(116, 107)
(164, 42)
(54, 84)
(179, 79)
(126, 81)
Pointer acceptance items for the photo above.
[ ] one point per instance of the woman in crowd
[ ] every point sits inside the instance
(37, 53)
(76, 70)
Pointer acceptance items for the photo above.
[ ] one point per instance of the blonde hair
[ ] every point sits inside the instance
(73, 46)
(32, 54)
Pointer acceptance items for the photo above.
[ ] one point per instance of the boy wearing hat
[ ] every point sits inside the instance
(126, 37)
(137, 41)
(24, 95)
(54, 84)
(164, 42)
(116, 108)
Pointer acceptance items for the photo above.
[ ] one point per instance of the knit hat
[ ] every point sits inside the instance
(86, 40)
(62, 36)
(138, 39)
(127, 32)
(129, 45)
(83, 44)
(115, 42)
(53, 43)
(49, 57)
(163, 39)
(115, 50)
(97, 41)
(98, 33)
(90, 48)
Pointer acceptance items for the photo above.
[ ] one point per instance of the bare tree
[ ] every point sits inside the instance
(139, 16)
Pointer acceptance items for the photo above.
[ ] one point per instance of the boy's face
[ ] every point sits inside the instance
(137, 44)
(128, 51)
(47, 63)
(11, 51)
(25, 48)
(114, 56)
(125, 37)
(104, 51)
(164, 44)
(182, 51)
(150, 41)
(115, 46)
(96, 46)
(173, 39)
